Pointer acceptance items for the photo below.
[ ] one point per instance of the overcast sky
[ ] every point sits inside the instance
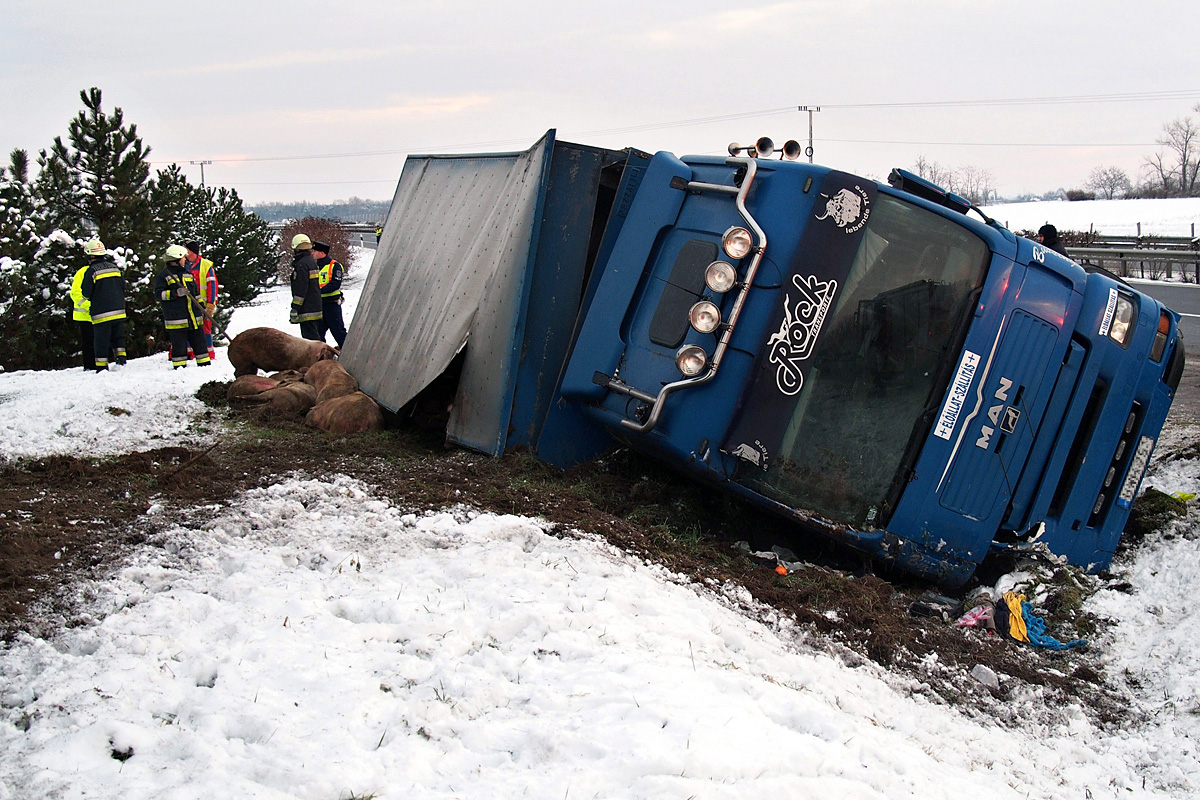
(321, 100)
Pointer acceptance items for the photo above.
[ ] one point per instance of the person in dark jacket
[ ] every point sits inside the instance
(329, 276)
(306, 289)
(103, 286)
(176, 289)
(1048, 235)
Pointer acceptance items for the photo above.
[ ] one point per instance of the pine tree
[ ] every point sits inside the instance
(101, 176)
(240, 245)
(37, 262)
(97, 184)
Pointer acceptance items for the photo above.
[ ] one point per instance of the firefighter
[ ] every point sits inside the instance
(83, 319)
(329, 276)
(103, 286)
(182, 316)
(378, 233)
(205, 278)
(306, 289)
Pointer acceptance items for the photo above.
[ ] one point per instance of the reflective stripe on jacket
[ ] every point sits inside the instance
(306, 287)
(178, 312)
(80, 304)
(206, 281)
(330, 277)
(104, 287)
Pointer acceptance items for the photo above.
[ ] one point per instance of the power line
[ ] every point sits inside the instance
(994, 144)
(304, 183)
(1127, 97)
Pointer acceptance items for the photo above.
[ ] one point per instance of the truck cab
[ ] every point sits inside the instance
(872, 362)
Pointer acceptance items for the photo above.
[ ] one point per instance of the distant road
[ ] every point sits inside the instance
(1183, 298)
(363, 240)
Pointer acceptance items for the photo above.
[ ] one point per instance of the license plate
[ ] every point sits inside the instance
(1137, 468)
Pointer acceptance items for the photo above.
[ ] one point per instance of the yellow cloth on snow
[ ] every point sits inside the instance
(1016, 620)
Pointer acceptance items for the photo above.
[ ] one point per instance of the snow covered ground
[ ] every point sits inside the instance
(1164, 217)
(312, 641)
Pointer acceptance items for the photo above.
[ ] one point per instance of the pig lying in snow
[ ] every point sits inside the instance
(251, 385)
(352, 413)
(248, 386)
(281, 400)
(269, 349)
(330, 380)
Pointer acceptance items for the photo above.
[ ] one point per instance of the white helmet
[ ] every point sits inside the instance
(176, 252)
(94, 247)
(301, 242)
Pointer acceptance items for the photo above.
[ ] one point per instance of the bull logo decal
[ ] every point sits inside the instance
(797, 334)
(755, 453)
(849, 209)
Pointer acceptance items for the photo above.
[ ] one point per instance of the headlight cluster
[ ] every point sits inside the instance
(737, 242)
(720, 276)
(1123, 319)
(691, 359)
(705, 316)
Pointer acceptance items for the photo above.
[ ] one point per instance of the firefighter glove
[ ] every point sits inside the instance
(211, 308)
(293, 316)
(180, 291)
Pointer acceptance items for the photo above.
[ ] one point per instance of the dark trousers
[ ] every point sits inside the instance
(87, 343)
(181, 338)
(311, 330)
(331, 321)
(108, 337)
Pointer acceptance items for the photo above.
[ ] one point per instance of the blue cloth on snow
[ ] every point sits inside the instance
(1035, 627)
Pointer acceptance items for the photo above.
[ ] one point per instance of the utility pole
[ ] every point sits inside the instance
(202, 163)
(810, 110)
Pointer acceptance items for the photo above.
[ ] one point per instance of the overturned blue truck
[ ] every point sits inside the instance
(880, 363)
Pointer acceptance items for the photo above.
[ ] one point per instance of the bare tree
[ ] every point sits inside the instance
(933, 172)
(1109, 182)
(973, 183)
(1177, 169)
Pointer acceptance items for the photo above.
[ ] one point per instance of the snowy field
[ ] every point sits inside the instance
(312, 641)
(1164, 217)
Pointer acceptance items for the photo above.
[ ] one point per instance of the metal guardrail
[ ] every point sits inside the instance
(353, 227)
(1141, 262)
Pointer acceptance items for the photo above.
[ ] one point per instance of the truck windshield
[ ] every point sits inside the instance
(876, 367)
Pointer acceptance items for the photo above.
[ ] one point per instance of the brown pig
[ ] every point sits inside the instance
(352, 413)
(269, 349)
(331, 380)
(282, 400)
(249, 385)
(289, 375)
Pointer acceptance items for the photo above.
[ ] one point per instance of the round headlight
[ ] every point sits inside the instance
(720, 276)
(691, 359)
(705, 317)
(1123, 319)
(737, 242)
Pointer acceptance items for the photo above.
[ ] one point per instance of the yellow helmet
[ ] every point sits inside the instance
(94, 247)
(301, 242)
(175, 252)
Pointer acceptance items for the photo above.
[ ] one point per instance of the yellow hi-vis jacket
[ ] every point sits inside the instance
(82, 306)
